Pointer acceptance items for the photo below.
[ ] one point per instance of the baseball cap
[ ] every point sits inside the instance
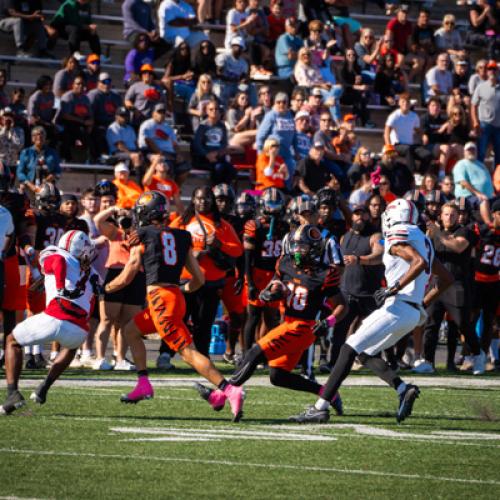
(348, 117)
(470, 145)
(291, 21)
(237, 40)
(492, 64)
(388, 148)
(160, 107)
(359, 208)
(404, 7)
(302, 114)
(104, 76)
(93, 58)
(316, 91)
(121, 167)
(7, 111)
(122, 111)
(495, 207)
(461, 62)
(318, 144)
(147, 68)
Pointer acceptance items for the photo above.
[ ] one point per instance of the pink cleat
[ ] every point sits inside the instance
(216, 398)
(143, 390)
(336, 402)
(235, 395)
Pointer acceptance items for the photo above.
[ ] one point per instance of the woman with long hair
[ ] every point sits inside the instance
(63, 79)
(141, 53)
(389, 80)
(240, 119)
(179, 77)
(203, 94)
(216, 246)
(204, 59)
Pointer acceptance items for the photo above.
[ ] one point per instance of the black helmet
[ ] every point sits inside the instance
(106, 188)
(306, 245)
(48, 198)
(272, 201)
(5, 178)
(246, 205)
(463, 204)
(299, 204)
(151, 206)
(435, 196)
(224, 190)
(417, 198)
(326, 196)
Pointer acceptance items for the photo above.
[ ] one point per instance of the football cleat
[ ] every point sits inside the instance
(143, 390)
(406, 401)
(235, 396)
(39, 396)
(215, 398)
(12, 403)
(311, 416)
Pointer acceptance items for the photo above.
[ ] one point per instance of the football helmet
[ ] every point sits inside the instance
(48, 198)
(326, 196)
(224, 190)
(246, 205)
(399, 211)
(272, 201)
(78, 244)
(151, 206)
(106, 188)
(306, 245)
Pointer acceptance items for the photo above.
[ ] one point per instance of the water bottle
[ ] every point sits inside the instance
(217, 340)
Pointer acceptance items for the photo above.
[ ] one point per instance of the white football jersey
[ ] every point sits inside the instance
(396, 267)
(74, 275)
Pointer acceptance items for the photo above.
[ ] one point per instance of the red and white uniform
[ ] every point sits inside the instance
(65, 320)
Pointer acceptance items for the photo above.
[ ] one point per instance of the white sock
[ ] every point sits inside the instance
(401, 388)
(495, 344)
(86, 353)
(28, 349)
(322, 404)
(2, 353)
(37, 349)
(53, 355)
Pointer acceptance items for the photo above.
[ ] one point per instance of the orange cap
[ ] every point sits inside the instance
(92, 58)
(349, 117)
(492, 64)
(147, 67)
(388, 148)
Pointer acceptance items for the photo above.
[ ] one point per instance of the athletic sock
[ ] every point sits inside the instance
(382, 369)
(28, 350)
(340, 371)
(495, 344)
(53, 355)
(37, 349)
(401, 388)
(223, 384)
(142, 373)
(11, 388)
(322, 404)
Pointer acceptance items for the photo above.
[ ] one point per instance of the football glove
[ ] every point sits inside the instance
(70, 294)
(320, 329)
(270, 295)
(382, 293)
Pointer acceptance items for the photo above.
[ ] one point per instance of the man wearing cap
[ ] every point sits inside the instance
(91, 71)
(287, 48)
(122, 139)
(142, 96)
(128, 190)
(471, 176)
(313, 172)
(398, 173)
(104, 103)
(232, 69)
(176, 18)
(485, 113)
(25, 20)
(302, 127)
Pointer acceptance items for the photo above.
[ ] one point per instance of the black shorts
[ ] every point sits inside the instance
(133, 294)
(486, 295)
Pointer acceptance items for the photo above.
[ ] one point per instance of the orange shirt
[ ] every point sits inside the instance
(128, 193)
(119, 252)
(166, 186)
(268, 179)
(224, 232)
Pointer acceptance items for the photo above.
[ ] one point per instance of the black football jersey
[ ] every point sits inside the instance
(268, 241)
(76, 224)
(308, 289)
(487, 265)
(19, 207)
(50, 226)
(165, 253)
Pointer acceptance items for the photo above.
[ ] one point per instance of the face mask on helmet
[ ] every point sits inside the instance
(306, 245)
(273, 202)
(48, 199)
(150, 207)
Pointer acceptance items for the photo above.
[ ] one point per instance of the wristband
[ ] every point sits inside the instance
(331, 320)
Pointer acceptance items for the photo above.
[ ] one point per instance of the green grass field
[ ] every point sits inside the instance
(85, 444)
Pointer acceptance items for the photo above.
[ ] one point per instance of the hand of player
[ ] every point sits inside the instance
(133, 238)
(238, 286)
(70, 294)
(320, 329)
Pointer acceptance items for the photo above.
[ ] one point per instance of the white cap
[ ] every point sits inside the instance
(237, 40)
(302, 114)
(470, 145)
(121, 167)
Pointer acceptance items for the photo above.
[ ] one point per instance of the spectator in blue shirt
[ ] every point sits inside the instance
(38, 163)
(287, 47)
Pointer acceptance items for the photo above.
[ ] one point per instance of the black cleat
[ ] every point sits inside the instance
(12, 403)
(216, 401)
(39, 395)
(311, 416)
(406, 401)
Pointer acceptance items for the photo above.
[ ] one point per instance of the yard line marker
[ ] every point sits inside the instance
(225, 463)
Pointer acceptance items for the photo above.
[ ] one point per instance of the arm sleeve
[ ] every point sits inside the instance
(56, 265)
(231, 244)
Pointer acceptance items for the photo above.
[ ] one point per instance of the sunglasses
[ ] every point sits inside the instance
(448, 23)
(107, 81)
(274, 146)
(280, 102)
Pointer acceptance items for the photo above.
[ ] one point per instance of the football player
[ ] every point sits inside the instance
(409, 262)
(305, 284)
(70, 287)
(263, 242)
(163, 252)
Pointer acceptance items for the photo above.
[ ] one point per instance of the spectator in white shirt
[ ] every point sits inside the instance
(176, 18)
(402, 130)
(439, 79)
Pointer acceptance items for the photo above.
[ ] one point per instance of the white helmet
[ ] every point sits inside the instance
(78, 244)
(399, 211)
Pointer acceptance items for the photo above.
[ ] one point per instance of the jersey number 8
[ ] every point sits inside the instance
(169, 250)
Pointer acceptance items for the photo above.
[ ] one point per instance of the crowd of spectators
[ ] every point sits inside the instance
(297, 93)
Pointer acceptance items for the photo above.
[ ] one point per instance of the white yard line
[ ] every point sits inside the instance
(228, 463)
(260, 381)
